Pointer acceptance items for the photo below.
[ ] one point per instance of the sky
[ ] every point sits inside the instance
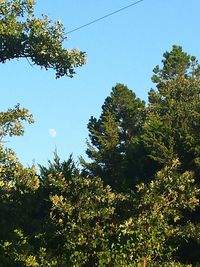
(123, 48)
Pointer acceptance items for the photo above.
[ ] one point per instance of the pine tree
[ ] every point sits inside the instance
(173, 121)
(117, 153)
(172, 124)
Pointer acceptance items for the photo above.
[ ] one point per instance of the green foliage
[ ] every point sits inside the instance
(86, 224)
(63, 219)
(88, 217)
(172, 124)
(60, 217)
(115, 148)
(22, 35)
(152, 233)
(67, 168)
(18, 185)
(11, 121)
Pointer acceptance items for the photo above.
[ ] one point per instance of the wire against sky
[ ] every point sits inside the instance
(101, 18)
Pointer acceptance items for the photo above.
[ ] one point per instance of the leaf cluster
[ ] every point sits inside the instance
(22, 35)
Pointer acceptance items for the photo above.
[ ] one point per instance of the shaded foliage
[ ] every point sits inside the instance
(172, 124)
(115, 148)
(133, 204)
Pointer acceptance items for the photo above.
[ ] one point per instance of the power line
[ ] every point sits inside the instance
(106, 16)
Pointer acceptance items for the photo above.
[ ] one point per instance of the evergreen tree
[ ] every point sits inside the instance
(172, 124)
(115, 148)
(173, 121)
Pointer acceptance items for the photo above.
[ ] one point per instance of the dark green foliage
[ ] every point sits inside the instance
(116, 150)
(86, 224)
(18, 187)
(60, 217)
(173, 120)
(67, 168)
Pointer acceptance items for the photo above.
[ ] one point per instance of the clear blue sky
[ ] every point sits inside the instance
(123, 48)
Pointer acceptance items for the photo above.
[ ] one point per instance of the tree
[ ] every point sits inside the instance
(173, 120)
(22, 35)
(17, 184)
(117, 153)
(154, 230)
(90, 225)
(85, 225)
(172, 123)
(67, 168)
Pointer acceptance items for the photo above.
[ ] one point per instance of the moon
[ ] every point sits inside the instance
(52, 132)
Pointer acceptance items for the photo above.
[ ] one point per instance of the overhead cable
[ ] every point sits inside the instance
(105, 16)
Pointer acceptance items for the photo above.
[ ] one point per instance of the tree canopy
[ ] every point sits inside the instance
(166, 129)
(136, 202)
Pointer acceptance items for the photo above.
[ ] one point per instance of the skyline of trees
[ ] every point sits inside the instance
(136, 203)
